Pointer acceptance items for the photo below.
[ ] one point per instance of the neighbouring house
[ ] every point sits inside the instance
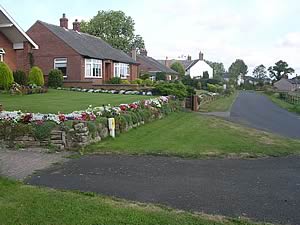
(85, 60)
(287, 84)
(250, 80)
(193, 68)
(226, 76)
(15, 45)
(150, 66)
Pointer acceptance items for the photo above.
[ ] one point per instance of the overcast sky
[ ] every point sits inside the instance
(257, 31)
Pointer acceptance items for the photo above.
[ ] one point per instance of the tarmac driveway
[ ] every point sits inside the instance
(257, 111)
(262, 189)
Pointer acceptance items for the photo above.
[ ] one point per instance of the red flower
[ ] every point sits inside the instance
(84, 116)
(61, 117)
(123, 107)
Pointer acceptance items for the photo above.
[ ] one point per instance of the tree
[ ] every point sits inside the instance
(218, 68)
(280, 70)
(178, 67)
(6, 76)
(115, 28)
(36, 76)
(260, 74)
(236, 69)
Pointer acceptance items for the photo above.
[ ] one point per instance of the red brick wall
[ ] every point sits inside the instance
(133, 72)
(10, 54)
(51, 47)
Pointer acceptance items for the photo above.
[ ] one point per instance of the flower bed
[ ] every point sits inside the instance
(80, 127)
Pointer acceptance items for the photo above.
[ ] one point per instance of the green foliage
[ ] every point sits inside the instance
(260, 74)
(36, 76)
(114, 80)
(145, 76)
(20, 77)
(115, 28)
(43, 131)
(55, 78)
(178, 67)
(177, 89)
(147, 82)
(137, 81)
(212, 87)
(6, 76)
(237, 68)
(125, 82)
(218, 69)
(161, 76)
(280, 70)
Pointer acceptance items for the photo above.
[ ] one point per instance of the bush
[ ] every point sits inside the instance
(114, 80)
(55, 78)
(148, 82)
(160, 76)
(20, 77)
(178, 67)
(177, 89)
(145, 76)
(6, 76)
(137, 81)
(36, 76)
(212, 87)
(125, 82)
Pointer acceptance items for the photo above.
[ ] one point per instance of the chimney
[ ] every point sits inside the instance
(143, 52)
(76, 25)
(201, 56)
(189, 58)
(133, 54)
(167, 62)
(64, 21)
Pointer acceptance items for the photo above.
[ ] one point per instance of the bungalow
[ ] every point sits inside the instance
(194, 68)
(15, 45)
(287, 84)
(152, 67)
(85, 60)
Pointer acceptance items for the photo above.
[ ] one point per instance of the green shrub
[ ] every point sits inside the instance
(115, 80)
(6, 76)
(55, 78)
(137, 81)
(36, 76)
(43, 131)
(145, 76)
(177, 89)
(148, 82)
(178, 67)
(125, 82)
(160, 76)
(20, 77)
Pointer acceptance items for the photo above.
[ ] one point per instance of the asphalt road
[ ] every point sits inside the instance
(257, 111)
(261, 189)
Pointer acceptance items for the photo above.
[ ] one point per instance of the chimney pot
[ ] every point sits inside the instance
(76, 25)
(189, 57)
(64, 21)
(133, 54)
(201, 56)
(143, 52)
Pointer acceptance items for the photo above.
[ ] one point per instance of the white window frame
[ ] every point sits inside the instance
(61, 61)
(2, 52)
(94, 64)
(121, 70)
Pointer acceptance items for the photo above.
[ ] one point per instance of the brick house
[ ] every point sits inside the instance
(85, 60)
(151, 66)
(16, 46)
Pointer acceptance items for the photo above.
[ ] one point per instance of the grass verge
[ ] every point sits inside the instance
(222, 104)
(63, 101)
(192, 135)
(23, 204)
(283, 104)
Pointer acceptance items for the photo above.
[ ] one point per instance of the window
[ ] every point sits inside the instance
(2, 52)
(93, 68)
(61, 64)
(122, 70)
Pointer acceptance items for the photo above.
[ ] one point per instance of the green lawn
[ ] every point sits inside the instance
(283, 104)
(28, 205)
(63, 101)
(222, 104)
(194, 135)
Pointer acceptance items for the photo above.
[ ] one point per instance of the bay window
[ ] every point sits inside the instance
(121, 70)
(61, 64)
(93, 68)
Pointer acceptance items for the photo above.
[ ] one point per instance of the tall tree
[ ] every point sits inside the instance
(280, 70)
(115, 28)
(237, 68)
(260, 73)
(178, 67)
(218, 68)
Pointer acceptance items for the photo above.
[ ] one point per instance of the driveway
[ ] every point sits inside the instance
(262, 189)
(257, 111)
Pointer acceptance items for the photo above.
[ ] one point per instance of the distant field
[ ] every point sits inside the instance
(63, 101)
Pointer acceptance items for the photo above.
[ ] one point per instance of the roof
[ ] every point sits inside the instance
(88, 45)
(293, 81)
(153, 65)
(12, 30)
(187, 64)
